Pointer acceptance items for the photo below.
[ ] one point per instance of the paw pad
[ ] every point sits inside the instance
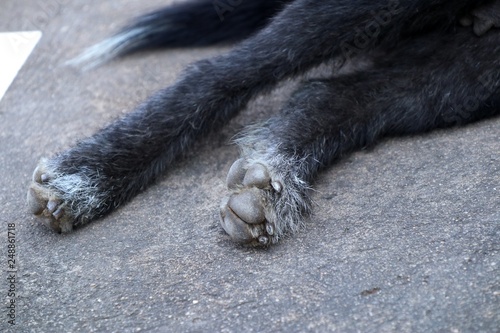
(45, 202)
(243, 214)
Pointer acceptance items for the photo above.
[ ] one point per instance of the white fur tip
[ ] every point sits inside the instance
(107, 49)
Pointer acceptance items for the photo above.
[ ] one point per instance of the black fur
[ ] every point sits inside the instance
(194, 23)
(204, 22)
(399, 67)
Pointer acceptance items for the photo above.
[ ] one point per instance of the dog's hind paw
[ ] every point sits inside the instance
(46, 202)
(264, 204)
(63, 200)
(245, 214)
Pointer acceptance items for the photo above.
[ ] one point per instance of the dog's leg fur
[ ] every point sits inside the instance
(325, 119)
(106, 170)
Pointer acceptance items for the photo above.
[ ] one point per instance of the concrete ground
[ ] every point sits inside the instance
(406, 236)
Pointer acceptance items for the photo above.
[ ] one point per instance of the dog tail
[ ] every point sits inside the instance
(194, 23)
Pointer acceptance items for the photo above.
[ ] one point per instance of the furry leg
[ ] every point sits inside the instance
(327, 119)
(122, 159)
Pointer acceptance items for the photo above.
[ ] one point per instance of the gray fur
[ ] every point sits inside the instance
(421, 70)
(108, 49)
(288, 208)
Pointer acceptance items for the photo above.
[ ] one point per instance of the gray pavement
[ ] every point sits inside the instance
(406, 236)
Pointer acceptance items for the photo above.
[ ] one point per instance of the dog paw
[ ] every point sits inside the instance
(483, 18)
(46, 202)
(249, 214)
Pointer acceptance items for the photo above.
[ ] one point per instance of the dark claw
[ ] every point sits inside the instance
(263, 240)
(277, 186)
(52, 205)
(58, 213)
(270, 229)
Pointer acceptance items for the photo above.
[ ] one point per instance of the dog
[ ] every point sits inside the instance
(398, 67)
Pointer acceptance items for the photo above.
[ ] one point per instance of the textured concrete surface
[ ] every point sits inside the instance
(406, 236)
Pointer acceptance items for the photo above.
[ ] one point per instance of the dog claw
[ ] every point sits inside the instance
(263, 240)
(58, 213)
(52, 205)
(270, 229)
(277, 186)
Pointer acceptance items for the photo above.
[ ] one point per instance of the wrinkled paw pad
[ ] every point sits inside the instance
(243, 214)
(44, 202)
